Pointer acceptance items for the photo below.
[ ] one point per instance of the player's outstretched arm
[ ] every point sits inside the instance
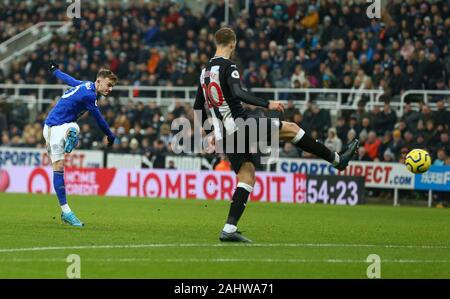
(54, 69)
(101, 122)
(236, 90)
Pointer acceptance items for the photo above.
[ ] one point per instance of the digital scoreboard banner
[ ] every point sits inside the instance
(210, 185)
(335, 190)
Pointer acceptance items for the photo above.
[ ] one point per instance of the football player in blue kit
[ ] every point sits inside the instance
(61, 130)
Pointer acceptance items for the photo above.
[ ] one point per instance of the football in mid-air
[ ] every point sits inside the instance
(418, 161)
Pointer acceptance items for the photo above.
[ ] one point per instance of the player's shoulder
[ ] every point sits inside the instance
(222, 61)
(229, 68)
(90, 86)
(88, 89)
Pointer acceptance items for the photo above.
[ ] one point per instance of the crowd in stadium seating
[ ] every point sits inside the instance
(20, 15)
(300, 45)
(144, 129)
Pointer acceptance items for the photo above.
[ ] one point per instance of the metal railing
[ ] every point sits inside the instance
(28, 40)
(332, 99)
(424, 94)
(328, 98)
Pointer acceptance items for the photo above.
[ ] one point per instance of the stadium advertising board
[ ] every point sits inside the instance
(20, 156)
(152, 183)
(210, 185)
(377, 175)
(123, 161)
(436, 178)
(139, 161)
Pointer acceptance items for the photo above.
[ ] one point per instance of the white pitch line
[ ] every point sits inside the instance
(175, 245)
(225, 260)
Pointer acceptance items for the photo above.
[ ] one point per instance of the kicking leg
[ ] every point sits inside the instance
(293, 133)
(246, 181)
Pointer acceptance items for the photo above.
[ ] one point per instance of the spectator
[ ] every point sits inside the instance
(156, 155)
(328, 31)
(426, 113)
(385, 120)
(341, 129)
(440, 158)
(124, 145)
(165, 134)
(398, 82)
(86, 137)
(403, 152)
(122, 124)
(410, 117)
(320, 119)
(311, 20)
(420, 141)
(409, 140)
(434, 70)
(351, 134)
(333, 142)
(444, 142)
(287, 68)
(363, 137)
(298, 119)
(397, 143)
(361, 111)
(441, 116)
(365, 126)
(388, 156)
(430, 132)
(171, 165)
(372, 145)
(300, 77)
(289, 151)
(354, 125)
(385, 144)
(134, 147)
(362, 154)
(290, 110)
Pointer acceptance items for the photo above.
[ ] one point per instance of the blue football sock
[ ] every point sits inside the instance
(58, 184)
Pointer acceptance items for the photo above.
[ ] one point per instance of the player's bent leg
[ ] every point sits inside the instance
(246, 181)
(71, 139)
(293, 133)
(67, 215)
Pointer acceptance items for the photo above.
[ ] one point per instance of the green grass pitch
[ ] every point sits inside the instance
(149, 238)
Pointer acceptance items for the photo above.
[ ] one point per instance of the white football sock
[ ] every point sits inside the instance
(229, 228)
(299, 136)
(337, 159)
(65, 208)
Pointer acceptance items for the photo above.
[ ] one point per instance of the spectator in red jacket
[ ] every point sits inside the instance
(372, 145)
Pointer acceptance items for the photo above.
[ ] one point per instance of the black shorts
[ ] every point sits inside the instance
(248, 149)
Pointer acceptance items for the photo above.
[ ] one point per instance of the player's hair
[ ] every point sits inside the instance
(224, 36)
(105, 73)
